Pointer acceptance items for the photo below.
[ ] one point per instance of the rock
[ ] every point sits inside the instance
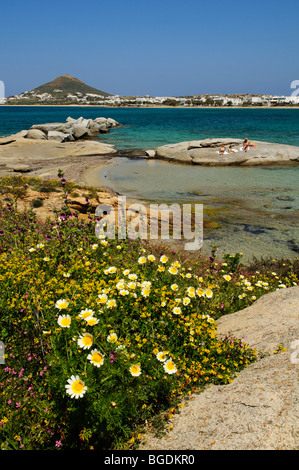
(111, 122)
(21, 150)
(74, 129)
(100, 120)
(103, 129)
(259, 409)
(271, 320)
(150, 153)
(205, 152)
(94, 128)
(80, 130)
(20, 168)
(51, 126)
(21, 134)
(35, 134)
(60, 136)
(285, 198)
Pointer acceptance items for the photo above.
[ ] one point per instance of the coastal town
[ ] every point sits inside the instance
(68, 90)
(93, 99)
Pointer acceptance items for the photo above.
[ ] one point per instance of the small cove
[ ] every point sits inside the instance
(256, 208)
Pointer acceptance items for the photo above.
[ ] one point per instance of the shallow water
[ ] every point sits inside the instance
(148, 128)
(257, 208)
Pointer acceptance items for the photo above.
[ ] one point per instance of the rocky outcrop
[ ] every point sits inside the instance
(259, 409)
(206, 152)
(55, 140)
(72, 129)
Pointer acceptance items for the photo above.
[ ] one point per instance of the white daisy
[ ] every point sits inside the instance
(64, 321)
(135, 370)
(96, 358)
(76, 387)
(85, 341)
(170, 367)
(62, 304)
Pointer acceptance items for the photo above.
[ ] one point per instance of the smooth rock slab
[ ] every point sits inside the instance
(259, 410)
(205, 152)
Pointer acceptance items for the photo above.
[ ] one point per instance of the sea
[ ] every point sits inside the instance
(256, 209)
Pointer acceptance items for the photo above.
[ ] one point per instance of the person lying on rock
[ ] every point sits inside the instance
(222, 150)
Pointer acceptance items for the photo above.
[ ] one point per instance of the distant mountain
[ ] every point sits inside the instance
(68, 84)
(61, 90)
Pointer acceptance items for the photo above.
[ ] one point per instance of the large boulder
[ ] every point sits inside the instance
(35, 134)
(259, 409)
(80, 131)
(206, 152)
(46, 127)
(60, 136)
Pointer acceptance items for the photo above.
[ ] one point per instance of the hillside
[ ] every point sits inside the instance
(68, 84)
(62, 90)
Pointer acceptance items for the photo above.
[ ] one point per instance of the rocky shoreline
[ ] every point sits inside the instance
(78, 146)
(206, 152)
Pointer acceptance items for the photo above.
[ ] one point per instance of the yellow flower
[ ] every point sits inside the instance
(151, 258)
(145, 291)
(170, 367)
(176, 264)
(142, 260)
(209, 293)
(173, 270)
(112, 338)
(103, 298)
(61, 304)
(92, 321)
(85, 341)
(227, 277)
(135, 370)
(174, 287)
(64, 321)
(161, 356)
(76, 387)
(163, 259)
(96, 358)
(87, 313)
(177, 310)
(200, 292)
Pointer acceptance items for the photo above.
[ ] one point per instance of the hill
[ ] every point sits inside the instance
(68, 84)
(62, 90)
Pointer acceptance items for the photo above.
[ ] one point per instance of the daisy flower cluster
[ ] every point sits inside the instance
(103, 334)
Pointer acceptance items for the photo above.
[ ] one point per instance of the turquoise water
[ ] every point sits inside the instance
(257, 208)
(147, 128)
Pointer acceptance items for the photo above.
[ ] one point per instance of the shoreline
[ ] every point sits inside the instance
(143, 107)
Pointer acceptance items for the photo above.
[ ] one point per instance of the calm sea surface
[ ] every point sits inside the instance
(147, 128)
(257, 208)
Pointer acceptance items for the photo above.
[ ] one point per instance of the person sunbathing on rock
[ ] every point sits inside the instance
(231, 149)
(222, 150)
(245, 145)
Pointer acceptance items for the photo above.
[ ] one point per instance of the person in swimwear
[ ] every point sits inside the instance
(245, 145)
(222, 150)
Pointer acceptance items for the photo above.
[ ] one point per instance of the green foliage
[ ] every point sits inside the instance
(112, 313)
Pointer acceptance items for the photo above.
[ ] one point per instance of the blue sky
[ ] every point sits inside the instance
(160, 48)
